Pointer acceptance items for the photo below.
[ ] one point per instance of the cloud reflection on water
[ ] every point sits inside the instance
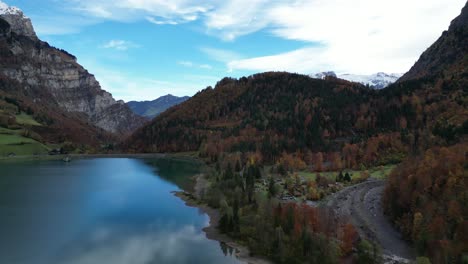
(108, 246)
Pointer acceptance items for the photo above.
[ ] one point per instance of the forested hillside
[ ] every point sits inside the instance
(276, 112)
(427, 195)
(150, 109)
(427, 198)
(273, 113)
(295, 122)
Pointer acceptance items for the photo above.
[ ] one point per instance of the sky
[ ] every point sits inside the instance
(143, 49)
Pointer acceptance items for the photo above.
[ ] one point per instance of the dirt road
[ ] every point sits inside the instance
(362, 202)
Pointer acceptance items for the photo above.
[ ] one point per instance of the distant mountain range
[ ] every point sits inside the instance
(151, 109)
(378, 80)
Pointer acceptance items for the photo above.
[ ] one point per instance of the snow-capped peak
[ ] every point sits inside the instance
(19, 23)
(378, 80)
(322, 75)
(9, 10)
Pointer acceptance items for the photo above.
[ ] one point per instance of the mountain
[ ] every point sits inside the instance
(447, 55)
(33, 123)
(242, 113)
(18, 21)
(378, 81)
(294, 121)
(37, 66)
(153, 108)
(275, 113)
(426, 196)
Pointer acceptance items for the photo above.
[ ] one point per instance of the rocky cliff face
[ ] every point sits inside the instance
(36, 65)
(447, 54)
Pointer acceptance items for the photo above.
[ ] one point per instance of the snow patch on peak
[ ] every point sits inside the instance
(322, 75)
(9, 10)
(378, 80)
(20, 24)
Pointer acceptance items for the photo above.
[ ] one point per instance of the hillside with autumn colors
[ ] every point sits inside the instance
(275, 113)
(45, 123)
(295, 123)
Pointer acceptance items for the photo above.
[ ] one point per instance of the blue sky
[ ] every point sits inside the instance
(142, 49)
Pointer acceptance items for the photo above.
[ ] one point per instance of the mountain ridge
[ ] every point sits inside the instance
(449, 51)
(378, 80)
(153, 108)
(37, 65)
(275, 112)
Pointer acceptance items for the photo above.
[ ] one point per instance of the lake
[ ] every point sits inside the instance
(106, 210)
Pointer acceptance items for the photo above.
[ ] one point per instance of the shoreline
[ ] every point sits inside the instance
(46, 157)
(242, 253)
(81, 156)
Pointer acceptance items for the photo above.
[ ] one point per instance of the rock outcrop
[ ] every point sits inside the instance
(20, 24)
(37, 65)
(447, 54)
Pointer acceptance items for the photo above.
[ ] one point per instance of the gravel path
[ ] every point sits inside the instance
(362, 202)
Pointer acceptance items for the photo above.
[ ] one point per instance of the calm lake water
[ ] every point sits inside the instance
(95, 211)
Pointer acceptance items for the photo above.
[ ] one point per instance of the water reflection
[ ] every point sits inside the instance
(227, 250)
(99, 211)
(157, 246)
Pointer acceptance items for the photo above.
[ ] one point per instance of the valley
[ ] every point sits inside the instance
(276, 166)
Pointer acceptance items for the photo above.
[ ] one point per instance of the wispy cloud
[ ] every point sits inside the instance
(161, 22)
(158, 11)
(121, 45)
(130, 87)
(190, 64)
(221, 55)
(236, 18)
(108, 245)
(360, 36)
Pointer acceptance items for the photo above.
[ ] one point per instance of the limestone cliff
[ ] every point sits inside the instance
(37, 65)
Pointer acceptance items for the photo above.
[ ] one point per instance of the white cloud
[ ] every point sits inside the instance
(161, 22)
(186, 63)
(121, 45)
(114, 246)
(361, 36)
(190, 64)
(155, 11)
(239, 17)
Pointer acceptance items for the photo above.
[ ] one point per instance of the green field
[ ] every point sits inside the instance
(12, 142)
(380, 172)
(24, 119)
